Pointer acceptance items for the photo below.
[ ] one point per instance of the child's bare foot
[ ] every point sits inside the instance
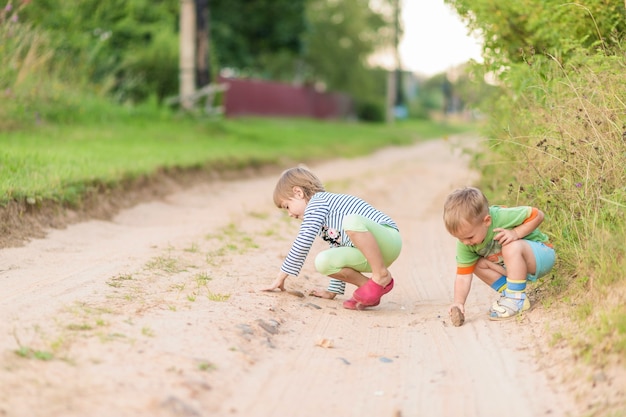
(382, 280)
(323, 294)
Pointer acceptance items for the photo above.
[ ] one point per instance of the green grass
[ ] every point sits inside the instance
(63, 162)
(29, 353)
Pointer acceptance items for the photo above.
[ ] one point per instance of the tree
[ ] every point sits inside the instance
(203, 60)
(341, 38)
(258, 37)
(517, 31)
(128, 45)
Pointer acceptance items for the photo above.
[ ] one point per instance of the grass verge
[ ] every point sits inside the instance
(63, 162)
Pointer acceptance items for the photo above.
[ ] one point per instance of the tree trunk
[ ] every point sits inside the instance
(203, 72)
(187, 52)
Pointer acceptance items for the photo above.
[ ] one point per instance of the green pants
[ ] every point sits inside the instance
(335, 259)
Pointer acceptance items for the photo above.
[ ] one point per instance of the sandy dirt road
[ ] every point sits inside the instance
(159, 312)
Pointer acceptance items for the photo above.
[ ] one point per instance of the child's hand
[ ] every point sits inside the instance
(505, 236)
(279, 283)
(457, 305)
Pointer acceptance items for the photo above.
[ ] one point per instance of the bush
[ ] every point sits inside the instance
(370, 111)
(151, 70)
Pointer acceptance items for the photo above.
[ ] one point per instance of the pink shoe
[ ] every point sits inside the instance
(371, 293)
(353, 304)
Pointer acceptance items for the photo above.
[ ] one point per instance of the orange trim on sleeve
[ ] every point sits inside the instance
(533, 213)
(465, 270)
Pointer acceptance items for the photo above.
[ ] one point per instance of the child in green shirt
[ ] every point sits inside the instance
(500, 245)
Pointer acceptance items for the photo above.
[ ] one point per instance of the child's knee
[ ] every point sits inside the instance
(323, 264)
(514, 249)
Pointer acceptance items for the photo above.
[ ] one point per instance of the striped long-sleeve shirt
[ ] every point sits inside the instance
(323, 217)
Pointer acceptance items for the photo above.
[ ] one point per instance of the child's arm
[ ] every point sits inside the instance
(462, 285)
(506, 236)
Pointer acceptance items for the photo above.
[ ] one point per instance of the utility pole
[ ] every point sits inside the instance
(394, 75)
(187, 68)
(391, 95)
(400, 99)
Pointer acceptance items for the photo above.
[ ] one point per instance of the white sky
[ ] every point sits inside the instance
(435, 39)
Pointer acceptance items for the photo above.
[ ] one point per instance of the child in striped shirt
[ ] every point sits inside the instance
(500, 245)
(361, 238)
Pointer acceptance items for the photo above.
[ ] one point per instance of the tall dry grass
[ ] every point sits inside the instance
(559, 143)
(36, 84)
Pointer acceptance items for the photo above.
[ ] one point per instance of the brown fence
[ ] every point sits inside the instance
(246, 97)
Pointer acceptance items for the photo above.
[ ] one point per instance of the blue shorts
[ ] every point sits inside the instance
(544, 259)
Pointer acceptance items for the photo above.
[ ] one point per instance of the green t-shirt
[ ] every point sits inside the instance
(501, 217)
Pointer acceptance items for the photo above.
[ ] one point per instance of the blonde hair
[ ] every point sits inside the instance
(465, 205)
(296, 177)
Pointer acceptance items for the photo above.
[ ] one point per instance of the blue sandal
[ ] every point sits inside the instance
(506, 308)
